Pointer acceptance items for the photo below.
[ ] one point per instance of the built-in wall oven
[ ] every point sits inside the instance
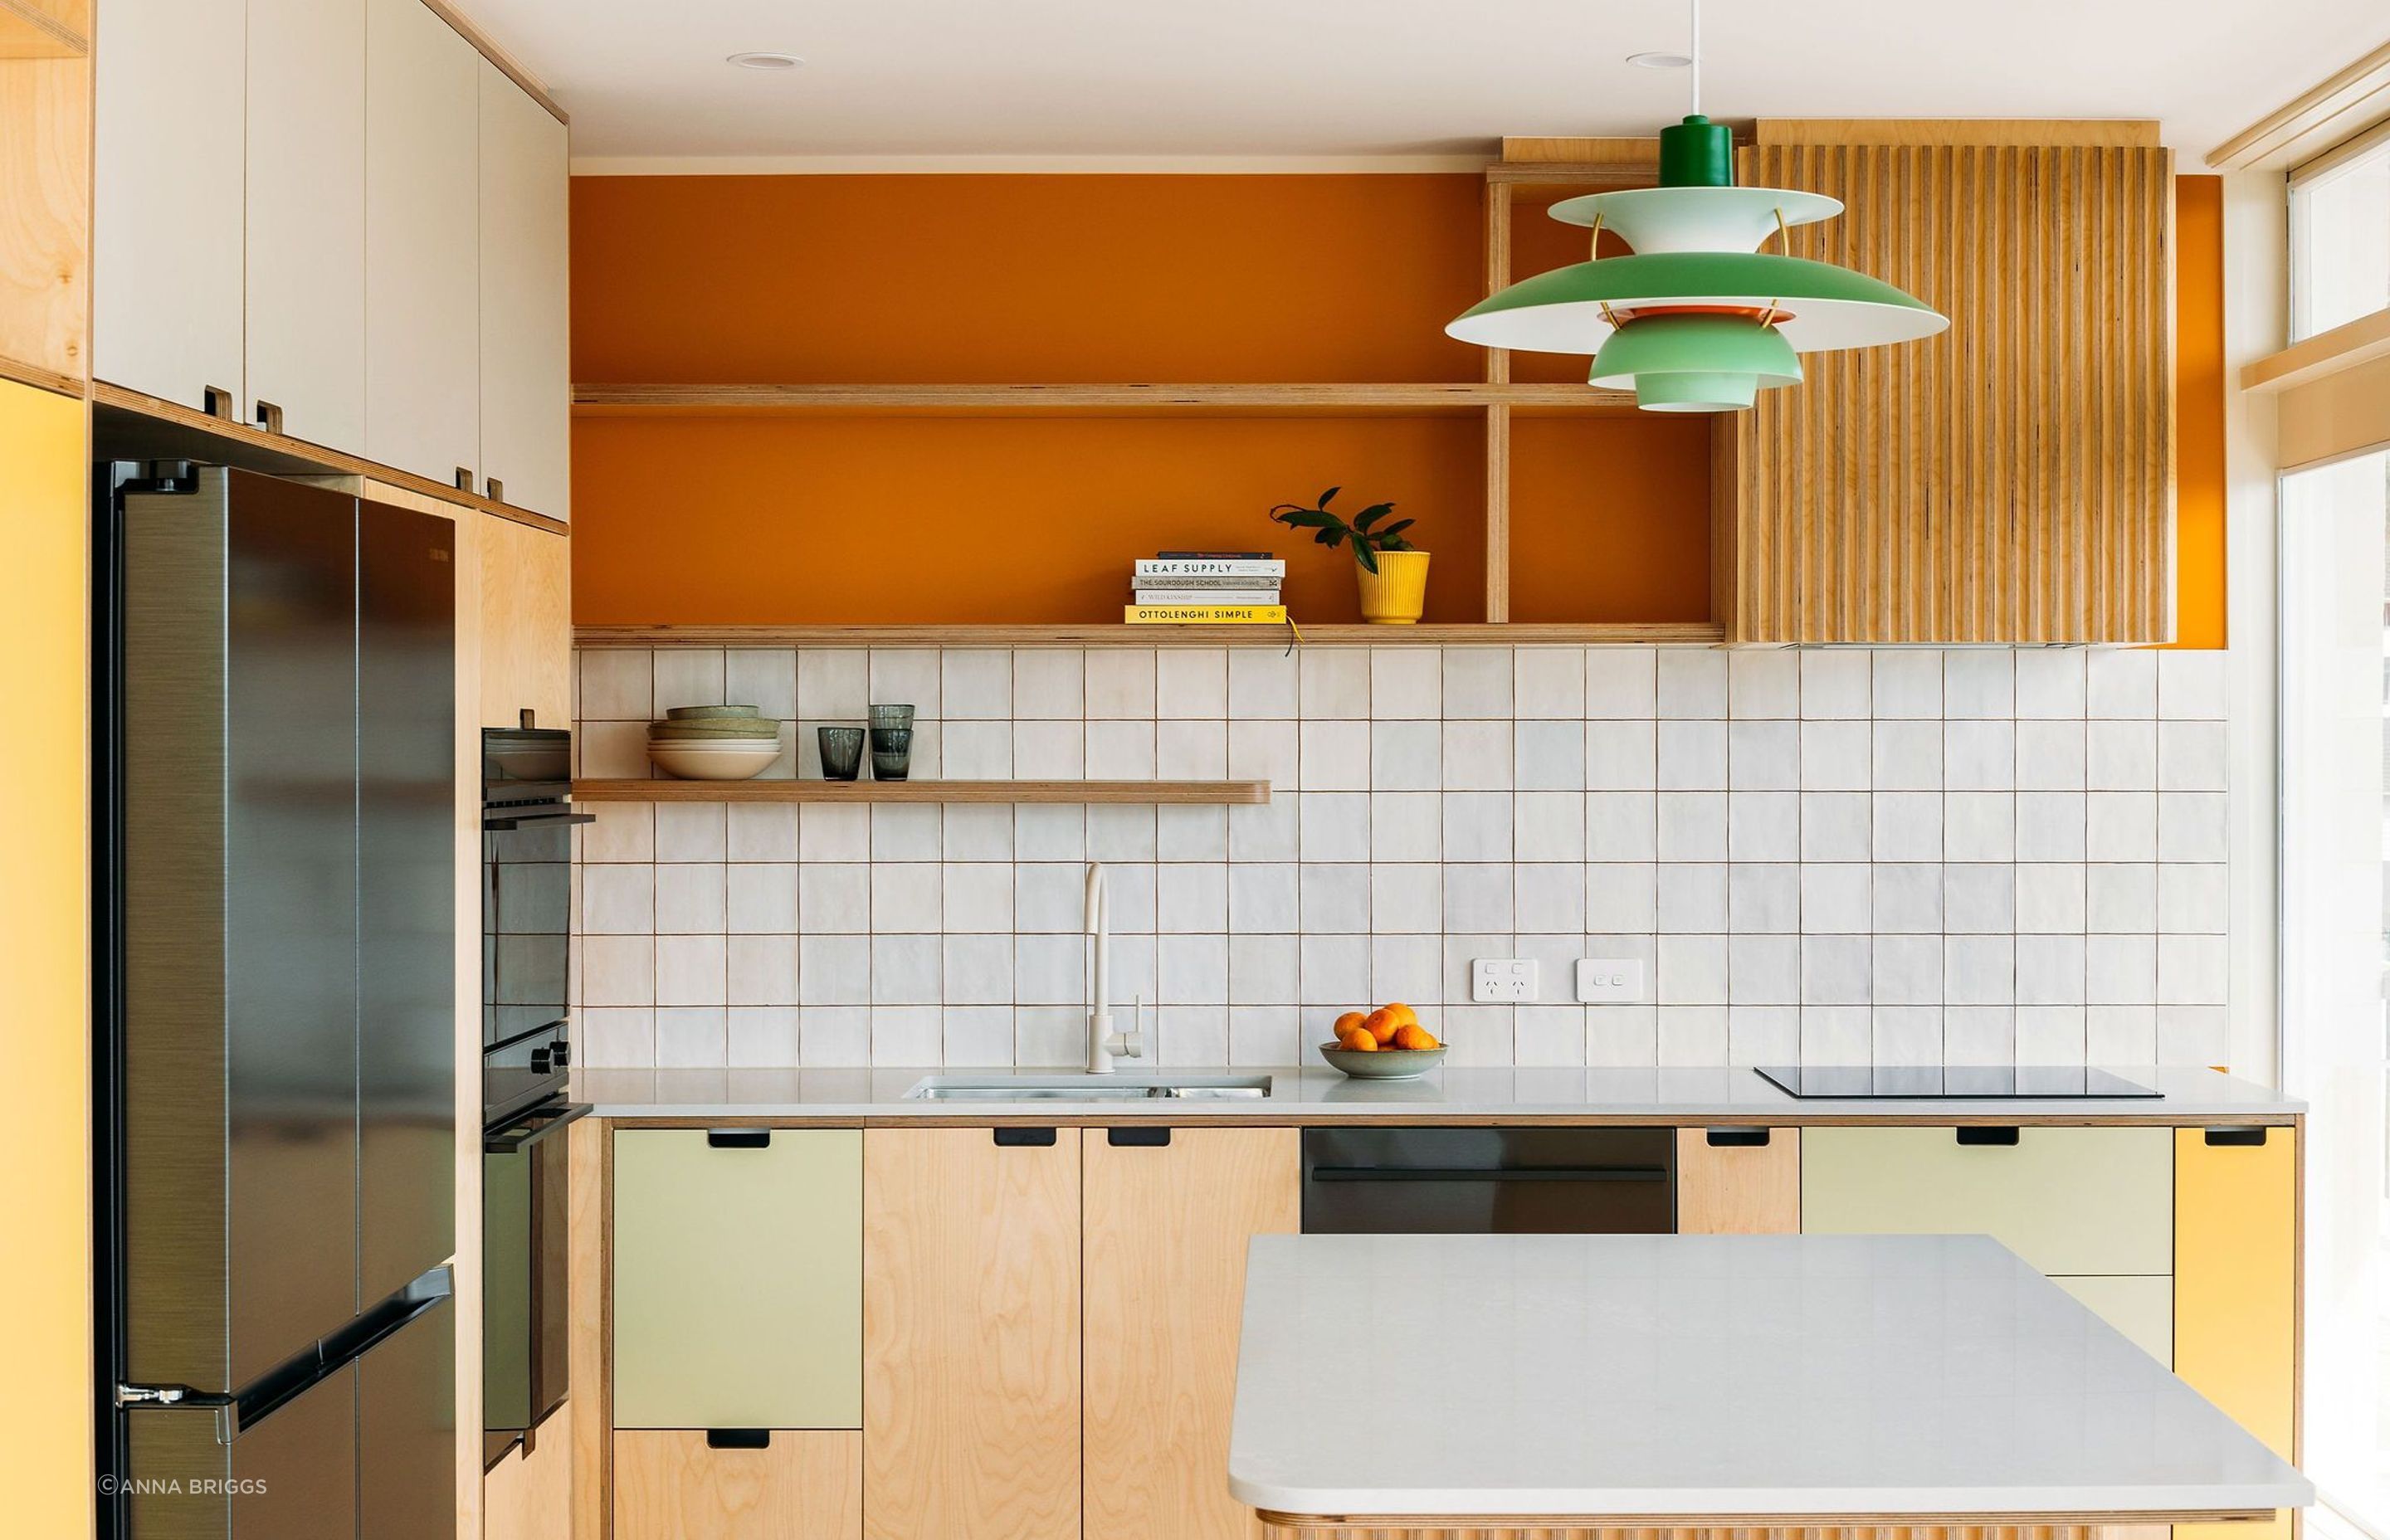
(527, 820)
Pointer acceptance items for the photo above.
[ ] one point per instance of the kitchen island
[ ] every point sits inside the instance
(1500, 1384)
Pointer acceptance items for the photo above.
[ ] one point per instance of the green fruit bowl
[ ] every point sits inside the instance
(1385, 1064)
(699, 714)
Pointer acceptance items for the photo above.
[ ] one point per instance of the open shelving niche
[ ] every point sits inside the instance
(1496, 401)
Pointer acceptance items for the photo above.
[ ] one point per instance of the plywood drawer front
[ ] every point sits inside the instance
(738, 1280)
(800, 1486)
(1738, 1181)
(2069, 1200)
(2143, 1308)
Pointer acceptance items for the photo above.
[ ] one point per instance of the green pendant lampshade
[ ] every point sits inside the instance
(1695, 363)
(1816, 305)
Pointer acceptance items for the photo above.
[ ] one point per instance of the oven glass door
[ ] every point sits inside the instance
(526, 914)
(526, 1239)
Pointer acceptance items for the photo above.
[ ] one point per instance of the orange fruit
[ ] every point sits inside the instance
(1360, 1041)
(1349, 1024)
(1414, 1036)
(1401, 1014)
(1381, 1025)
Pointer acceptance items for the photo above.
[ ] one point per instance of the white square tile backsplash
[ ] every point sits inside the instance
(1976, 855)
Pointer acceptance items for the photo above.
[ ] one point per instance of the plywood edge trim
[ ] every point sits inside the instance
(40, 377)
(242, 435)
(507, 65)
(596, 397)
(2097, 132)
(2325, 354)
(2348, 103)
(1099, 635)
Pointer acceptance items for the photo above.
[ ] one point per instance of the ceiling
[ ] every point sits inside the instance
(900, 81)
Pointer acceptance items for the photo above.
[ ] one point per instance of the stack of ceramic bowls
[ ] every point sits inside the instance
(714, 743)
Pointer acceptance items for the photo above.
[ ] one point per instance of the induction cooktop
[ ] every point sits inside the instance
(1956, 1082)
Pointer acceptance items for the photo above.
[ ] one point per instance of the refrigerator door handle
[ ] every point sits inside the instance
(185, 1398)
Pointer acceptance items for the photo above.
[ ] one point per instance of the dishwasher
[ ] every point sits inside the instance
(1488, 1181)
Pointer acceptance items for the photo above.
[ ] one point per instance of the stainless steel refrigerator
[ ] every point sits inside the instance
(277, 1118)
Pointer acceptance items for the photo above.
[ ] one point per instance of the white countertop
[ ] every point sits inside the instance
(1724, 1376)
(1320, 1095)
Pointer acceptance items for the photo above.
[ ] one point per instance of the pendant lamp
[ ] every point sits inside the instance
(1697, 319)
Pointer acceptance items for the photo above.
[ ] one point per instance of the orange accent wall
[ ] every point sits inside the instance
(868, 517)
(2199, 384)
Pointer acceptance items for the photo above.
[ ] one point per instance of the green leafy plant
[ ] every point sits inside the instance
(1367, 536)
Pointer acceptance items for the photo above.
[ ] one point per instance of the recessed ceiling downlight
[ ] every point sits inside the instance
(765, 58)
(1660, 60)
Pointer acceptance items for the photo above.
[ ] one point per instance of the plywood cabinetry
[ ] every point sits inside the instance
(526, 624)
(737, 1278)
(528, 1495)
(2010, 479)
(2236, 1288)
(679, 1486)
(1738, 1181)
(167, 236)
(45, 241)
(1166, 1229)
(971, 1313)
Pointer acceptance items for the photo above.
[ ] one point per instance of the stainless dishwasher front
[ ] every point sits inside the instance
(1479, 1181)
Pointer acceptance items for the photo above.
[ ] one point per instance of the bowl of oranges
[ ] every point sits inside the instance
(1385, 1044)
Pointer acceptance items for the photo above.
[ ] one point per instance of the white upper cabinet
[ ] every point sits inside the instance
(526, 310)
(167, 236)
(423, 409)
(307, 220)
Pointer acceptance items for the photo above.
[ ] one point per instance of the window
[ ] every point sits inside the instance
(2335, 728)
(2340, 237)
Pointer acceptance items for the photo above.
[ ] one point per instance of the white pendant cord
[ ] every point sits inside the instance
(1694, 51)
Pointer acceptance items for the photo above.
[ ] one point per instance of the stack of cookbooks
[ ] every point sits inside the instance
(1208, 588)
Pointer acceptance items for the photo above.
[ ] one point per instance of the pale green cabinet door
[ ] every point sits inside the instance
(2069, 1200)
(2141, 1308)
(739, 1278)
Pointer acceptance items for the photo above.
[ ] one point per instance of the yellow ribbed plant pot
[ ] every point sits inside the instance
(1396, 592)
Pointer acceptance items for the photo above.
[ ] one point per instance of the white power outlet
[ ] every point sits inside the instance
(1501, 980)
(1610, 981)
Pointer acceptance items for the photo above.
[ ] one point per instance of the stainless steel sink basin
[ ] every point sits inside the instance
(1090, 1088)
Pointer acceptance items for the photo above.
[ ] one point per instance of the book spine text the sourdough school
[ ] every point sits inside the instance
(1205, 614)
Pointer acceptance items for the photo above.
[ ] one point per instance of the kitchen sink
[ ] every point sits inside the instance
(1090, 1088)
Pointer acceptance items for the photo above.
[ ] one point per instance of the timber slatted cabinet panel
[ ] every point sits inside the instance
(2010, 479)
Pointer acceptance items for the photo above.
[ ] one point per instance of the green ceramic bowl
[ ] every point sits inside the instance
(714, 726)
(698, 714)
(1385, 1064)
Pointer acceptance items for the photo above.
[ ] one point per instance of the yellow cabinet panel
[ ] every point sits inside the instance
(2235, 1287)
(674, 1485)
(738, 1279)
(1164, 1257)
(2143, 1308)
(2069, 1200)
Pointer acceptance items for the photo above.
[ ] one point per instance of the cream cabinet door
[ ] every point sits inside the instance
(306, 283)
(167, 219)
(737, 1278)
(526, 311)
(423, 341)
(2069, 1200)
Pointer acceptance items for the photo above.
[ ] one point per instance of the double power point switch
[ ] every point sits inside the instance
(1502, 980)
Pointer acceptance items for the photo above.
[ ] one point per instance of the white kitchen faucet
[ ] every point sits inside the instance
(1103, 1044)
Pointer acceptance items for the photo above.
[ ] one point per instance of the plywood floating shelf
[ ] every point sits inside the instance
(1173, 793)
(1523, 634)
(1305, 399)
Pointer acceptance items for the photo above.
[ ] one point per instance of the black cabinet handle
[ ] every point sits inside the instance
(739, 1438)
(1736, 1139)
(1993, 1136)
(1137, 1139)
(2236, 1138)
(738, 1138)
(1489, 1173)
(1023, 1139)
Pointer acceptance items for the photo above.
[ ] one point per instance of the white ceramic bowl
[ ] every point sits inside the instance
(713, 762)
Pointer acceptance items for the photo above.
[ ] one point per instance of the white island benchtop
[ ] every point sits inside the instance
(1415, 1382)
